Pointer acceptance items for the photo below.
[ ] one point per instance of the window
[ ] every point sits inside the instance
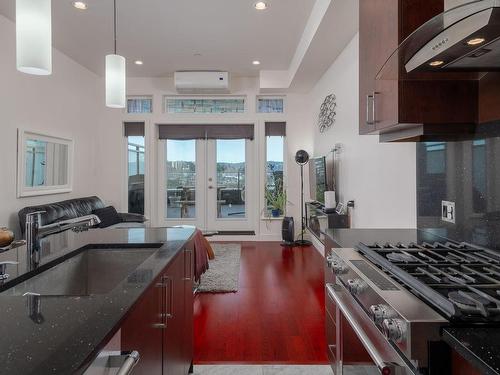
(134, 131)
(143, 104)
(181, 179)
(204, 105)
(270, 105)
(275, 156)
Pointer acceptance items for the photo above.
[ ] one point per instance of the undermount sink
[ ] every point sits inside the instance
(90, 272)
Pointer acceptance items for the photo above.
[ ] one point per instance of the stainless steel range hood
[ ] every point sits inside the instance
(465, 37)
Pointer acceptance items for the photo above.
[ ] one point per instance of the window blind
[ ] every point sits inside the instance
(133, 129)
(276, 129)
(206, 131)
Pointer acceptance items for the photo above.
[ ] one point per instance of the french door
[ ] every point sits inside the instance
(207, 183)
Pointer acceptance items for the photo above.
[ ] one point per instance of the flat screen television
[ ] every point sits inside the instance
(321, 177)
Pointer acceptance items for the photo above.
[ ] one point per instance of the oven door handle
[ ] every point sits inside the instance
(389, 367)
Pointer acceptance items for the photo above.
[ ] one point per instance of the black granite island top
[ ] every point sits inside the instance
(478, 345)
(67, 332)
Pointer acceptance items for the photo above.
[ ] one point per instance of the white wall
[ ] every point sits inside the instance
(381, 178)
(111, 143)
(69, 103)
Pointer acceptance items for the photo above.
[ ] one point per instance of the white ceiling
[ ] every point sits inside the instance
(166, 34)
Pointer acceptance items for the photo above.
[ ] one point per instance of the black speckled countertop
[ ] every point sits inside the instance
(349, 238)
(478, 345)
(74, 328)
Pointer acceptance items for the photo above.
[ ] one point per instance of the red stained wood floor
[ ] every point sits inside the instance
(277, 315)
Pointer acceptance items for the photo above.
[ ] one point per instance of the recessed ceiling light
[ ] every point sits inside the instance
(138, 62)
(80, 5)
(475, 41)
(260, 5)
(436, 63)
(256, 62)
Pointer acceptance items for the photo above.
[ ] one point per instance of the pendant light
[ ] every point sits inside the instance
(115, 75)
(34, 36)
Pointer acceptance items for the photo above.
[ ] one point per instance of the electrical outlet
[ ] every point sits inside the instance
(448, 211)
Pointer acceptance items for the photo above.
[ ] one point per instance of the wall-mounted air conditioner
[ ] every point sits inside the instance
(202, 82)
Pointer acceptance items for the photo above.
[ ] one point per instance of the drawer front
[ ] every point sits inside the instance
(331, 339)
(331, 309)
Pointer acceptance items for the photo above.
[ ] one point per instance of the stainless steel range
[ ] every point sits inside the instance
(395, 297)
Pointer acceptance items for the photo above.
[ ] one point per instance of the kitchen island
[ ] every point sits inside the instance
(146, 306)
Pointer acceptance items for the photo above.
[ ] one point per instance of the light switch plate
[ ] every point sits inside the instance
(448, 213)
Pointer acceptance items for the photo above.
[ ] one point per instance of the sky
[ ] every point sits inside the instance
(228, 151)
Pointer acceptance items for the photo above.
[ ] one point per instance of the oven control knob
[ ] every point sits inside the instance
(394, 329)
(356, 286)
(381, 312)
(330, 259)
(338, 267)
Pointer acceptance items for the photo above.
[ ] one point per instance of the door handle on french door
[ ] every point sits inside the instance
(210, 187)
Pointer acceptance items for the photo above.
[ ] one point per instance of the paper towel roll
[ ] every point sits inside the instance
(330, 199)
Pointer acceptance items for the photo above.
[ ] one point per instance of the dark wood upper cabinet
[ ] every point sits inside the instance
(414, 106)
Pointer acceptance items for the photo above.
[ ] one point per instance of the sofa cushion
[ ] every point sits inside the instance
(108, 216)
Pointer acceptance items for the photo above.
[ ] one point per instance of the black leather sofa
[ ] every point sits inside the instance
(73, 208)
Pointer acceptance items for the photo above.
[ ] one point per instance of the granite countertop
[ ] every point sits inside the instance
(478, 345)
(68, 331)
(350, 237)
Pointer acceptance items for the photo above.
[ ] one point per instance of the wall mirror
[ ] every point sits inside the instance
(44, 164)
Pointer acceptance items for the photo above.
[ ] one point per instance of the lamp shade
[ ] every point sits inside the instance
(115, 81)
(34, 36)
(301, 157)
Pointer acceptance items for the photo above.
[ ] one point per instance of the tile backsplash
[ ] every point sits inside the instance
(465, 173)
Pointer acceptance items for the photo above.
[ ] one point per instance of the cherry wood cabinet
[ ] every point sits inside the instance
(160, 326)
(427, 103)
(142, 331)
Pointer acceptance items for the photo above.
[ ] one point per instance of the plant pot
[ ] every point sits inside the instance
(275, 212)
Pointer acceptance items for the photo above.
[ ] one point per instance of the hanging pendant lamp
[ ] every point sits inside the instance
(115, 75)
(34, 36)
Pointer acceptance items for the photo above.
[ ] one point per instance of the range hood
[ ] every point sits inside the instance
(465, 37)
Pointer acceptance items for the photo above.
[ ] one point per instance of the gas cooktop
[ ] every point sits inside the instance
(460, 280)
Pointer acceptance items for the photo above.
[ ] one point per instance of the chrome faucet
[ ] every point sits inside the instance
(35, 231)
(3, 270)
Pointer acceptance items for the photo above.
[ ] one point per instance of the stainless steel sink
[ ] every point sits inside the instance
(93, 271)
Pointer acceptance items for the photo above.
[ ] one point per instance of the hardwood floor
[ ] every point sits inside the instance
(277, 316)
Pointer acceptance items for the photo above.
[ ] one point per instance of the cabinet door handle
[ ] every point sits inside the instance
(169, 291)
(188, 275)
(370, 99)
(161, 314)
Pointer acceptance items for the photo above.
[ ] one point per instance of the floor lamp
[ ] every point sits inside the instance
(302, 158)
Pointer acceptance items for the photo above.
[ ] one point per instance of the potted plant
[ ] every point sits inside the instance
(276, 199)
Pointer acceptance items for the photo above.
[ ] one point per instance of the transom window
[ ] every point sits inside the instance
(140, 104)
(204, 105)
(270, 104)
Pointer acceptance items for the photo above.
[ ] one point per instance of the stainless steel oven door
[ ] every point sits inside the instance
(386, 360)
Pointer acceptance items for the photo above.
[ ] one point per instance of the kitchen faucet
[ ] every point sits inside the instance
(35, 231)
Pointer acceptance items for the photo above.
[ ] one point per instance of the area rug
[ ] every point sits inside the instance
(224, 271)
